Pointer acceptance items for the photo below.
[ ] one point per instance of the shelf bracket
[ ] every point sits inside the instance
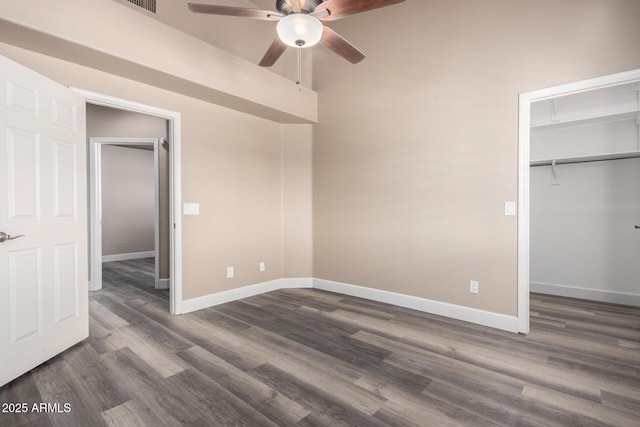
(554, 110)
(554, 173)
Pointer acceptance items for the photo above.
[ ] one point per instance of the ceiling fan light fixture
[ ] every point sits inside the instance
(300, 30)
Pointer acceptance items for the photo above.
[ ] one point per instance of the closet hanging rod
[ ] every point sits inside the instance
(586, 159)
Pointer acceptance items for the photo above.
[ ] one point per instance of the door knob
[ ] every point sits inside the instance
(637, 226)
(4, 236)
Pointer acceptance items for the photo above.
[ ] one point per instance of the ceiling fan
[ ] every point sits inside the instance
(299, 23)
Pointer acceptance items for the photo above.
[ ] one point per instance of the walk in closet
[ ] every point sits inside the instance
(585, 195)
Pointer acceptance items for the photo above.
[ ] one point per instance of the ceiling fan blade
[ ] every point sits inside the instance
(241, 12)
(335, 42)
(342, 8)
(274, 52)
(320, 14)
(295, 5)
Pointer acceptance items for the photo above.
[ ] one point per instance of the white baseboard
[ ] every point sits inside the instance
(485, 318)
(125, 257)
(467, 314)
(164, 284)
(586, 293)
(211, 300)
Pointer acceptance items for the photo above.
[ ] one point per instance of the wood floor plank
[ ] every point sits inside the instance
(403, 413)
(105, 317)
(512, 364)
(467, 405)
(466, 371)
(162, 359)
(372, 323)
(149, 388)
(107, 343)
(328, 373)
(554, 377)
(325, 407)
(216, 404)
(599, 345)
(207, 335)
(274, 405)
(629, 344)
(94, 377)
(58, 386)
(24, 390)
(124, 415)
(620, 403)
(293, 356)
(491, 396)
(614, 371)
(134, 414)
(573, 404)
(306, 357)
(405, 408)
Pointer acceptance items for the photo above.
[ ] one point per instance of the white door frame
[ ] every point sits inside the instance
(175, 181)
(524, 143)
(95, 203)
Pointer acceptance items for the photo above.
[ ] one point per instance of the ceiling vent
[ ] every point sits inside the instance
(149, 5)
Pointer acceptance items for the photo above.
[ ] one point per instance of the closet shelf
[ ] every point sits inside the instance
(614, 117)
(588, 158)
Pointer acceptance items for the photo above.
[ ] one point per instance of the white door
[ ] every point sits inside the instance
(43, 196)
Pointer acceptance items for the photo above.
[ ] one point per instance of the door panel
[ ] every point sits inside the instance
(44, 275)
(64, 114)
(25, 294)
(65, 259)
(23, 167)
(22, 98)
(66, 179)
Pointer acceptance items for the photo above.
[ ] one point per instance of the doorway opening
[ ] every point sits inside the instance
(173, 142)
(526, 102)
(124, 204)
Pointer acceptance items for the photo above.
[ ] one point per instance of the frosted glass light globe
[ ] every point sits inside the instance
(299, 30)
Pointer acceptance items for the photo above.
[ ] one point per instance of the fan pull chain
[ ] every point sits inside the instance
(299, 81)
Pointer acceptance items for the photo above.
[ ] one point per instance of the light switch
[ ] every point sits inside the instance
(191, 209)
(474, 286)
(509, 208)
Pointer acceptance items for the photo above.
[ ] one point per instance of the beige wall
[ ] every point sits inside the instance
(231, 161)
(297, 200)
(231, 165)
(413, 158)
(111, 122)
(136, 46)
(245, 38)
(415, 151)
(128, 200)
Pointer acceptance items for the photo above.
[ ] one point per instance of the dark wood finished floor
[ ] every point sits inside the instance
(312, 358)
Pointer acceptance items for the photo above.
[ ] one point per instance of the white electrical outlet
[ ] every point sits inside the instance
(229, 272)
(474, 286)
(262, 266)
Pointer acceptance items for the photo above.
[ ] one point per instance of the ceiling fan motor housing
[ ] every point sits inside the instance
(307, 6)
